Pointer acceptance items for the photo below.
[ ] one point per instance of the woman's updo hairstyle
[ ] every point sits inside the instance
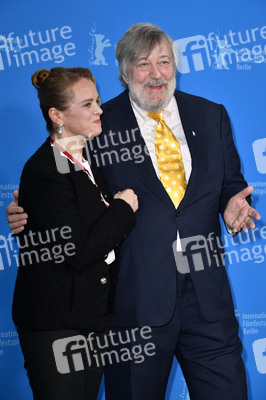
(55, 88)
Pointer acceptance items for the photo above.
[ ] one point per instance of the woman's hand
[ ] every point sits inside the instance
(15, 215)
(129, 197)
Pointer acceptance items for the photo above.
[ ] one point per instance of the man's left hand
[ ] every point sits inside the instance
(239, 214)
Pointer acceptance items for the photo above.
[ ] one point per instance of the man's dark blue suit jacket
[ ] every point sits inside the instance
(146, 288)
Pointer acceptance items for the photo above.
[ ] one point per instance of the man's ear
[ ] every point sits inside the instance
(125, 79)
(55, 115)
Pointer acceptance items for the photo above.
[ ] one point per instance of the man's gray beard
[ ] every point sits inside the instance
(145, 105)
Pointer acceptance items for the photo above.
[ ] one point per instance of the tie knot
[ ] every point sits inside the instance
(156, 116)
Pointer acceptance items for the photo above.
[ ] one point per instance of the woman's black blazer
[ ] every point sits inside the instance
(63, 281)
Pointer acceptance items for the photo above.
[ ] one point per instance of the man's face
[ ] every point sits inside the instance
(151, 78)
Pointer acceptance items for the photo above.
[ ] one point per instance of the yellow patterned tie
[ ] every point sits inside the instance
(170, 164)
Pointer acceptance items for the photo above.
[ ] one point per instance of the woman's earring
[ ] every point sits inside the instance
(60, 129)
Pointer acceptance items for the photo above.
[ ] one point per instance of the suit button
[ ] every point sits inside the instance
(103, 281)
(178, 213)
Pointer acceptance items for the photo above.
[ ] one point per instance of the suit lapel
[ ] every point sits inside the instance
(192, 125)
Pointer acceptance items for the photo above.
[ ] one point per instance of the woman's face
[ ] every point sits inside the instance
(82, 117)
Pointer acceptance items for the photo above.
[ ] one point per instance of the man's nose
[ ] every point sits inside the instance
(155, 72)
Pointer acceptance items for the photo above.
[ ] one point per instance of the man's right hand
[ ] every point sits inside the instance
(15, 215)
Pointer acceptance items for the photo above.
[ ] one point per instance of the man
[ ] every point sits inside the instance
(189, 307)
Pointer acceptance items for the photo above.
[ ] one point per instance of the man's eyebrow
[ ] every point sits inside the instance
(146, 57)
(165, 55)
(142, 58)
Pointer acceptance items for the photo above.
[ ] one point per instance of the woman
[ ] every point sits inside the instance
(66, 250)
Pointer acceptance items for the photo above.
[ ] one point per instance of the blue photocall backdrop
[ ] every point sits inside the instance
(222, 51)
